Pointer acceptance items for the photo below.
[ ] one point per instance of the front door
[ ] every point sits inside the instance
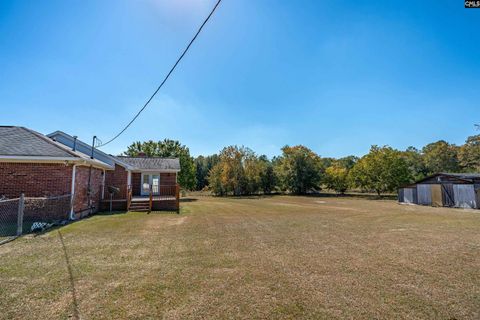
(150, 180)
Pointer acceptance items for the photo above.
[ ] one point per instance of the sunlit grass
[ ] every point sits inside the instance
(251, 258)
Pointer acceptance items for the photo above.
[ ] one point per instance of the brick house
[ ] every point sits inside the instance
(59, 164)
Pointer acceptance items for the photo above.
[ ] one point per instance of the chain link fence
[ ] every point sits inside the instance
(8, 218)
(25, 214)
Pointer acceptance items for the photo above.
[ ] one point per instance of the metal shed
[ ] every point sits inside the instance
(424, 194)
(410, 195)
(464, 195)
(459, 190)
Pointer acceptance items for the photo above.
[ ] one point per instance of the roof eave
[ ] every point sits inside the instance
(123, 164)
(80, 142)
(46, 159)
(20, 158)
(136, 170)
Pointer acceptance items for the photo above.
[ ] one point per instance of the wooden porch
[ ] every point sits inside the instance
(160, 197)
(163, 197)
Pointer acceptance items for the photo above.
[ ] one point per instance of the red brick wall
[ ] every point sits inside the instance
(117, 178)
(168, 179)
(80, 203)
(35, 179)
(117, 205)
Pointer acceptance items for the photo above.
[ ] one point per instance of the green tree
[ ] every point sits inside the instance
(299, 169)
(327, 162)
(168, 148)
(215, 180)
(416, 163)
(469, 154)
(240, 171)
(268, 179)
(383, 169)
(253, 173)
(347, 162)
(232, 170)
(440, 156)
(203, 165)
(228, 175)
(336, 178)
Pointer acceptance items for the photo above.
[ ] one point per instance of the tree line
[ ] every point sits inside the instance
(238, 170)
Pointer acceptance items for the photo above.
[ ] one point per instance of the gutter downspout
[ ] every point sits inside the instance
(72, 198)
(74, 143)
(103, 185)
(89, 186)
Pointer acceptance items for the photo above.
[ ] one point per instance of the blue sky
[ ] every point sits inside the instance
(335, 76)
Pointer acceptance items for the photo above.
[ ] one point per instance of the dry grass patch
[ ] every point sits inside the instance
(256, 258)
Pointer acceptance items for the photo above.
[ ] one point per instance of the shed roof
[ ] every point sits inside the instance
(152, 163)
(461, 175)
(20, 141)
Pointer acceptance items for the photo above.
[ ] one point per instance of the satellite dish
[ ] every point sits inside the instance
(113, 190)
(98, 142)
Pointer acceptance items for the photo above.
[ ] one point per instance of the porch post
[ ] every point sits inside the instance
(129, 178)
(177, 197)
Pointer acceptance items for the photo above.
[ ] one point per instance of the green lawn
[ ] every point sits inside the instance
(252, 258)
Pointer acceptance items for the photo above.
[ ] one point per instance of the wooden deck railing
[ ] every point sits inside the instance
(164, 192)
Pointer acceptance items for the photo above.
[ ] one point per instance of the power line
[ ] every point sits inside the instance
(167, 76)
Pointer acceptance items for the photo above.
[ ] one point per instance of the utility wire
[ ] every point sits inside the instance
(167, 76)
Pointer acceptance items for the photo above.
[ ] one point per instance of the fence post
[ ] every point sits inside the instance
(21, 206)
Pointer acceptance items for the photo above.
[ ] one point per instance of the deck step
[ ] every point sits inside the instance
(140, 206)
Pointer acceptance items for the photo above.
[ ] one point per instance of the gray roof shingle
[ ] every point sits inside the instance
(19, 141)
(151, 163)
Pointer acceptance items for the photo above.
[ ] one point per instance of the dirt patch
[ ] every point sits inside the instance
(176, 222)
(158, 223)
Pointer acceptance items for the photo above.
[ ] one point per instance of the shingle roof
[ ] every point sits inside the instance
(20, 141)
(151, 163)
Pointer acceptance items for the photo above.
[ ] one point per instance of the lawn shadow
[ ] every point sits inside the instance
(364, 196)
(188, 199)
(76, 314)
(107, 213)
(250, 196)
